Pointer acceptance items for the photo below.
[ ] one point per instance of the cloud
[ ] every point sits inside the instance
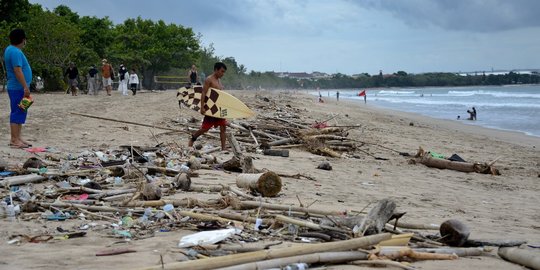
(462, 15)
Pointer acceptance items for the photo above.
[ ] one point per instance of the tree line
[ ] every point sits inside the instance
(61, 36)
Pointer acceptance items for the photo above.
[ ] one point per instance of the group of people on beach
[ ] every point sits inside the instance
(107, 73)
(19, 77)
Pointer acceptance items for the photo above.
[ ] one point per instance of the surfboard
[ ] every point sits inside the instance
(219, 104)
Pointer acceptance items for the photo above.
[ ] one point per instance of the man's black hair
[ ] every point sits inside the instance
(16, 36)
(219, 65)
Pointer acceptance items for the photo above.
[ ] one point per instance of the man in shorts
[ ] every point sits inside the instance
(19, 75)
(212, 81)
(73, 74)
(107, 74)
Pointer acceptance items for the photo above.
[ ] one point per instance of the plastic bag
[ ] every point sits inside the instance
(206, 237)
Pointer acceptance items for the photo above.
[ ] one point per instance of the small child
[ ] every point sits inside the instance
(133, 81)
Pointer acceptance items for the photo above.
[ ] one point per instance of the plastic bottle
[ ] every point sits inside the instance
(168, 208)
(117, 181)
(10, 211)
(23, 195)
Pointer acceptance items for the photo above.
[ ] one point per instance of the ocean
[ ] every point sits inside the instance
(514, 108)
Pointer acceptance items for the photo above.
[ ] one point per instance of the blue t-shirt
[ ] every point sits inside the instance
(14, 57)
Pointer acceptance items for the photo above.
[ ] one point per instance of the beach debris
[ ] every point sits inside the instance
(268, 184)
(207, 237)
(426, 158)
(528, 258)
(454, 233)
(325, 165)
(133, 192)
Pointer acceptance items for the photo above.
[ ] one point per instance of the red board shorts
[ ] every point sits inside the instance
(210, 122)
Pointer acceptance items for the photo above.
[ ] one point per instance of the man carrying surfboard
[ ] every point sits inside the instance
(212, 81)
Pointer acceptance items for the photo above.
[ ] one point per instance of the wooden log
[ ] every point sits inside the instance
(376, 218)
(493, 243)
(242, 247)
(523, 257)
(234, 144)
(129, 122)
(268, 184)
(242, 218)
(429, 161)
(205, 188)
(235, 259)
(276, 152)
(282, 141)
(207, 217)
(308, 224)
(107, 193)
(21, 179)
(322, 257)
(461, 252)
(241, 205)
(88, 207)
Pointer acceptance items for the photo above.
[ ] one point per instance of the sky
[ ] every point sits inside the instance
(348, 36)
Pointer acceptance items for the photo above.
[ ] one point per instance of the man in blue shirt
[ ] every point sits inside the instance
(19, 75)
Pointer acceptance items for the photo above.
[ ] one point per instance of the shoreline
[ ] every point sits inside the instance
(501, 133)
(509, 136)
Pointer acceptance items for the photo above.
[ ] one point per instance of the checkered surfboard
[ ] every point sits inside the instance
(219, 104)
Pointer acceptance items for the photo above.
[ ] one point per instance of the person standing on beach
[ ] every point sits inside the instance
(474, 113)
(19, 77)
(193, 75)
(123, 81)
(107, 74)
(213, 81)
(73, 74)
(92, 84)
(133, 81)
(337, 95)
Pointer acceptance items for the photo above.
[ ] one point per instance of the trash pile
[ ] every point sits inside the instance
(133, 188)
(133, 192)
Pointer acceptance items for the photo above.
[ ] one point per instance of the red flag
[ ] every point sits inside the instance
(361, 94)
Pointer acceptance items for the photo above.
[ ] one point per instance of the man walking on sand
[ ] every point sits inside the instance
(213, 81)
(19, 75)
(107, 73)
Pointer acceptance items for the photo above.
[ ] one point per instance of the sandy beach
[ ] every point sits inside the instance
(494, 207)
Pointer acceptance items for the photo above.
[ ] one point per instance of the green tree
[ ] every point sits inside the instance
(154, 47)
(53, 42)
(14, 11)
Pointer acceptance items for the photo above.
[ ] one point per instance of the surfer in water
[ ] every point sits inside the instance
(212, 81)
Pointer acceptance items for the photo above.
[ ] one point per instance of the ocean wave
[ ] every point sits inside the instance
(494, 94)
(424, 101)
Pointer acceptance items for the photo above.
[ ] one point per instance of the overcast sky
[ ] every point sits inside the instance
(349, 36)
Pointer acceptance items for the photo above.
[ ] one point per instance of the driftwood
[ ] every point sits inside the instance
(523, 257)
(21, 179)
(493, 243)
(461, 252)
(425, 158)
(376, 218)
(308, 224)
(268, 184)
(131, 123)
(401, 252)
(276, 152)
(240, 163)
(242, 247)
(323, 257)
(243, 205)
(236, 259)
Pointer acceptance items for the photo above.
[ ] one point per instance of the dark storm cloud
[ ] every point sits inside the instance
(463, 15)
